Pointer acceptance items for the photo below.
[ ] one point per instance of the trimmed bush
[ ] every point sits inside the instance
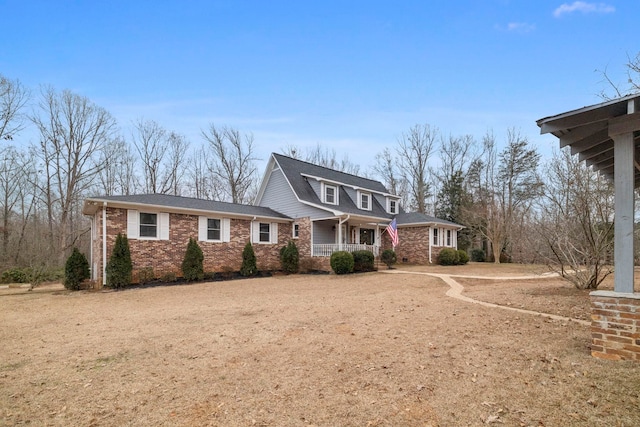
(389, 257)
(341, 262)
(119, 266)
(463, 257)
(249, 266)
(192, 268)
(145, 275)
(16, 275)
(363, 261)
(477, 255)
(76, 269)
(448, 256)
(289, 257)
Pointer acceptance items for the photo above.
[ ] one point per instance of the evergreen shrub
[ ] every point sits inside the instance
(363, 261)
(119, 266)
(389, 257)
(341, 262)
(76, 269)
(290, 258)
(463, 257)
(192, 264)
(477, 255)
(448, 256)
(249, 266)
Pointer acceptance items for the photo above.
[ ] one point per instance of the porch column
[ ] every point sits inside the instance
(623, 154)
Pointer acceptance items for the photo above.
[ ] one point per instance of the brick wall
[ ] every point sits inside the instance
(165, 256)
(413, 245)
(615, 325)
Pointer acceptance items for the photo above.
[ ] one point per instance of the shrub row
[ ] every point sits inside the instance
(450, 256)
(343, 262)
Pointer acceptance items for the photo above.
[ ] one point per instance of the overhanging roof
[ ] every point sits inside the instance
(589, 130)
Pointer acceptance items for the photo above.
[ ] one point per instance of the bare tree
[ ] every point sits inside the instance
(150, 141)
(233, 167)
(322, 156)
(503, 186)
(175, 162)
(414, 151)
(13, 98)
(632, 84)
(201, 185)
(118, 175)
(575, 222)
(387, 170)
(73, 131)
(12, 184)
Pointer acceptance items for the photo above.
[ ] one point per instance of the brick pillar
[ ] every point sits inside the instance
(615, 325)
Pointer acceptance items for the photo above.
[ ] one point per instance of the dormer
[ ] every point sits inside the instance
(329, 193)
(393, 205)
(365, 200)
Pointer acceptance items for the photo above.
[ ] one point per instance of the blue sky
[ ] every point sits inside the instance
(350, 75)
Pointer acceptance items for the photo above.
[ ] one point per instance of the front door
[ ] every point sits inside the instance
(367, 236)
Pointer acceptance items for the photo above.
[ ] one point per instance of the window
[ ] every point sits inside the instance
(296, 230)
(448, 237)
(265, 232)
(213, 229)
(365, 201)
(148, 225)
(393, 206)
(435, 237)
(330, 194)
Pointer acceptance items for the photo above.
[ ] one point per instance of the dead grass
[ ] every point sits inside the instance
(371, 349)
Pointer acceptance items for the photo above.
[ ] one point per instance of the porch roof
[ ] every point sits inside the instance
(589, 131)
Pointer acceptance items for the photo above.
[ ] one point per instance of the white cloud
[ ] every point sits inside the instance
(520, 27)
(584, 7)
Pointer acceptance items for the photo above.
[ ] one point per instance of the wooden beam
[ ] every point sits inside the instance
(626, 123)
(590, 141)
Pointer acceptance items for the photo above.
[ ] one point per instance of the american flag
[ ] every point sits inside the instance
(392, 229)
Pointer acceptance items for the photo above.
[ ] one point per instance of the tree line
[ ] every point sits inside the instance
(514, 205)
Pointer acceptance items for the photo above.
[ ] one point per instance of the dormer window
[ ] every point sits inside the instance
(330, 194)
(365, 201)
(392, 206)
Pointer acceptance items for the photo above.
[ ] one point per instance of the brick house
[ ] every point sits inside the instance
(321, 209)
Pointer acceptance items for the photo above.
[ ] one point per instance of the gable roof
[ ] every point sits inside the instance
(180, 204)
(416, 218)
(298, 173)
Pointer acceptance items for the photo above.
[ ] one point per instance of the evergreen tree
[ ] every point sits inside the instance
(76, 270)
(120, 266)
(192, 268)
(249, 266)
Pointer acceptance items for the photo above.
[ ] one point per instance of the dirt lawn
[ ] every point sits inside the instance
(361, 350)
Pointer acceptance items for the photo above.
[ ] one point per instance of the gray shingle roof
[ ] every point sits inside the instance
(405, 218)
(294, 169)
(189, 203)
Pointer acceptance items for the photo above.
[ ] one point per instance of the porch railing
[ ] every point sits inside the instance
(325, 250)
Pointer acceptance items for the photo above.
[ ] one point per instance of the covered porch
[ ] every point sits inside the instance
(607, 137)
(346, 233)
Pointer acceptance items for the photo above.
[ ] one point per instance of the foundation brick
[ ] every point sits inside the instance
(615, 327)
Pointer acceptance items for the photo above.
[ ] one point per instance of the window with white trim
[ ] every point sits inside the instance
(330, 194)
(148, 225)
(296, 230)
(265, 232)
(448, 237)
(392, 206)
(214, 229)
(435, 237)
(365, 201)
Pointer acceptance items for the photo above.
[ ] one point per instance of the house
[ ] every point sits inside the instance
(321, 209)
